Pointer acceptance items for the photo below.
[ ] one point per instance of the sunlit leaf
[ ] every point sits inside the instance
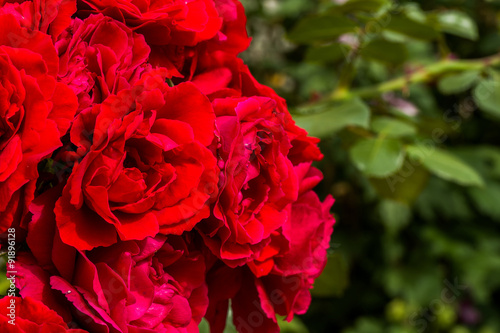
(295, 326)
(393, 127)
(204, 327)
(457, 83)
(458, 23)
(329, 117)
(230, 328)
(487, 97)
(377, 157)
(412, 28)
(445, 165)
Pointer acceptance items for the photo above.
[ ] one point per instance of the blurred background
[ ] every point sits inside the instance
(405, 96)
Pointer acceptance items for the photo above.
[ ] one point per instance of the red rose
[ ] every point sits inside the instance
(304, 237)
(29, 316)
(35, 111)
(100, 56)
(220, 75)
(184, 61)
(285, 291)
(257, 299)
(176, 22)
(145, 169)
(294, 271)
(48, 16)
(257, 180)
(154, 285)
(232, 37)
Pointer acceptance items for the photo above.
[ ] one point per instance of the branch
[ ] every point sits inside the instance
(427, 73)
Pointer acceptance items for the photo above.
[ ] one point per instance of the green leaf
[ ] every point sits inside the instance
(334, 279)
(412, 28)
(487, 97)
(320, 28)
(394, 215)
(385, 51)
(230, 328)
(485, 159)
(486, 200)
(362, 6)
(367, 325)
(393, 128)
(457, 83)
(413, 11)
(377, 157)
(333, 117)
(4, 284)
(287, 8)
(458, 23)
(406, 185)
(295, 326)
(442, 200)
(327, 53)
(417, 284)
(445, 165)
(204, 327)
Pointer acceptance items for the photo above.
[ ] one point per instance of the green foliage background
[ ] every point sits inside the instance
(406, 98)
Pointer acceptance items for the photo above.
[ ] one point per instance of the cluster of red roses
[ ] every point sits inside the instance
(151, 180)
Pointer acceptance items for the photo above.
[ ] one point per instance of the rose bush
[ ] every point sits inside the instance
(151, 178)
